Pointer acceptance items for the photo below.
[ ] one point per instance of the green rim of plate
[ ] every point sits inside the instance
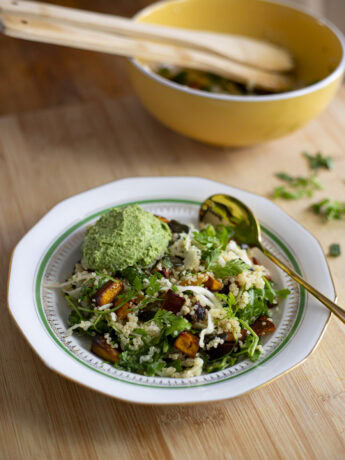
(58, 241)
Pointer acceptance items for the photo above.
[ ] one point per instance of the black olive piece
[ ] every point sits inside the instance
(225, 289)
(200, 312)
(146, 314)
(177, 227)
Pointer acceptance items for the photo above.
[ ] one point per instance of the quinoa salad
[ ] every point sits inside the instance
(207, 81)
(198, 307)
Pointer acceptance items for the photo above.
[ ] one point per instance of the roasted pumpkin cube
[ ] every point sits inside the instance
(101, 348)
(123, 311)
(187, 343)
(173, 302)
(231, 336)
(196, 280)
(108, 292)
(212, 284)
(263, 325)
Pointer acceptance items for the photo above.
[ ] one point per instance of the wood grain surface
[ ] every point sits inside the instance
(69, 122)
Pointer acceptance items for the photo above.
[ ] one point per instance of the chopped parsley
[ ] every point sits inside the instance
(130, 359)
(318, 161)
(231, 268)
(131, 273)
(283, 293)
(257, 306)
(173, 324)
(251, 343)
(296, 187)
(334, 250)
(330, 209)
(212, 240)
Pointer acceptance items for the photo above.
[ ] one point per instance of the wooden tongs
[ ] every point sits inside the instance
(242, 59)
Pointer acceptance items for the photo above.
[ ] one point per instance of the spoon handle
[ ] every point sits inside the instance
(339, 312)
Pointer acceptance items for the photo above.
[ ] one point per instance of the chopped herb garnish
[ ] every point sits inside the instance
(177, 364)
(285, 177)
(74, 307)
(334, 250)
(296, 187)
(252, 341)
(173, 324)
(330, 209)
(257, 305)
(228, 302)
(219, 364)
(153, 285)
(231, 268)
(284, 193)
(283, 293)
(212, 241)
(131, 273)
(318, 161)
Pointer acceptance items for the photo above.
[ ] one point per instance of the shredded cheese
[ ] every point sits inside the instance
(208, 330)
(204, 292)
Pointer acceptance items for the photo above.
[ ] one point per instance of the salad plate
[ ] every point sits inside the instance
(49, 251)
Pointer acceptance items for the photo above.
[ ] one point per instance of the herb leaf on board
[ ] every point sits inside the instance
(318, 161)
(334, 250)
(330, 209)
(296, 187)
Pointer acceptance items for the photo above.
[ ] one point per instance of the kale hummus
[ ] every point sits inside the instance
(125, 237)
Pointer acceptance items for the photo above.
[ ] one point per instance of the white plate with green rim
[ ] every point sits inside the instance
(48, 252)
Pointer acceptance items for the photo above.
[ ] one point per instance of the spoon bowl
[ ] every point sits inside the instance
(229, 211)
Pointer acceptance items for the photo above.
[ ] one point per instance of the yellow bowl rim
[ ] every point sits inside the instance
(257, 98)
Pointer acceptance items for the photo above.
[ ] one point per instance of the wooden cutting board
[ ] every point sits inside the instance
(49, 155)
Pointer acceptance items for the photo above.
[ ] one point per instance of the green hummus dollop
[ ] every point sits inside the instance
(125, 237)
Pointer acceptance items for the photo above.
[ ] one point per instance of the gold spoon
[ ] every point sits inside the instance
(227, 210)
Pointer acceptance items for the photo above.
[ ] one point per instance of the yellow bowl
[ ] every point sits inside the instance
(226, 120)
